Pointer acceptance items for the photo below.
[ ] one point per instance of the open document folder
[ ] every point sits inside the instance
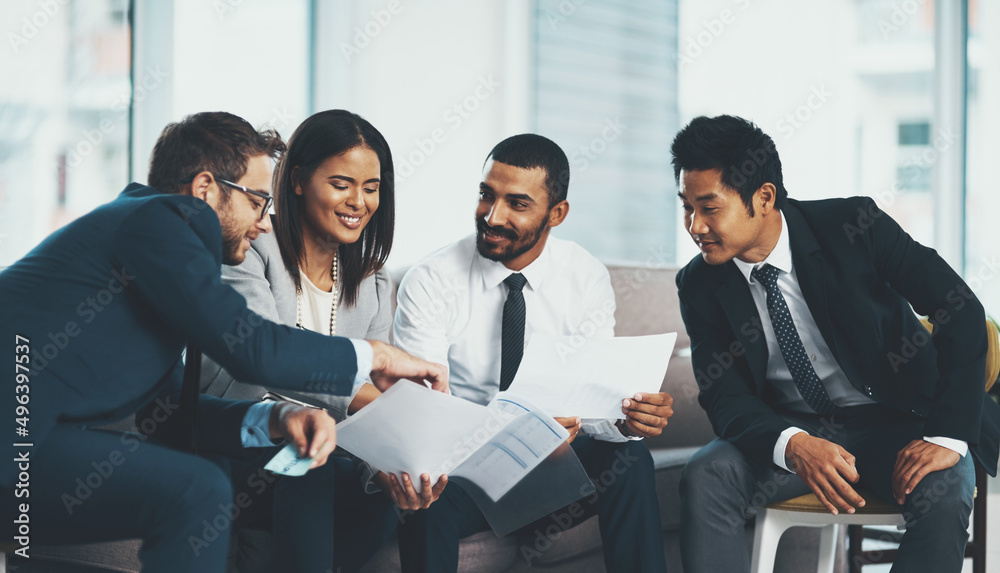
(416, 430)
(589, 377)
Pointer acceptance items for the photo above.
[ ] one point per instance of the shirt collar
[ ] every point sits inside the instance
(779, 258)
(494, 272)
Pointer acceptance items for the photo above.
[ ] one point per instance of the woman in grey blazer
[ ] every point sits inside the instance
(321, 269)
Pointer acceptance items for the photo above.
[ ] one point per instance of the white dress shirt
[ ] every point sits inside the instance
(450, 307)
(839, 388)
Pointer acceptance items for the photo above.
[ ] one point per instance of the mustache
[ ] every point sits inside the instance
(483, 226)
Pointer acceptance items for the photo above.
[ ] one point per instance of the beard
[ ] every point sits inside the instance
(519, 244)
(232, 236)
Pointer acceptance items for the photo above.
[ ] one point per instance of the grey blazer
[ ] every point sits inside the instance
(270, 292)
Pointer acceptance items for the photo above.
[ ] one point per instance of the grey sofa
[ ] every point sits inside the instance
(647, 304)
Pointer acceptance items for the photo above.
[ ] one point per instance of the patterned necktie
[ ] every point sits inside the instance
(803, 374)
(512, 332)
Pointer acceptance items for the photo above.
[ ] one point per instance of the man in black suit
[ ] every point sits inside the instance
(98, 315)
(811, 364)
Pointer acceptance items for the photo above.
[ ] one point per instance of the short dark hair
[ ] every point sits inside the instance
(216, 141)
(529, 151)
(321, 136)
(745, 154)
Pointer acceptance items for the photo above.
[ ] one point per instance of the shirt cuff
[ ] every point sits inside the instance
(255, 432)
(366, 356)
(960, 447)
(779, 447)
(604, 431)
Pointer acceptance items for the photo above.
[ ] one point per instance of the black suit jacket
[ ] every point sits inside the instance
(107, 304)
(860, 273)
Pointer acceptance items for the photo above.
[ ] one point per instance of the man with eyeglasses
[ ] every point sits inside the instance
(98, 315)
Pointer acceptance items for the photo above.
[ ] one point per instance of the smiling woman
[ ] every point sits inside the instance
(322, 270)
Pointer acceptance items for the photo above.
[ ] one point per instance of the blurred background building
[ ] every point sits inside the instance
(851, 91)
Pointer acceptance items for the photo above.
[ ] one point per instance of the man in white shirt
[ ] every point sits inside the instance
(473, 304)
(814, 370)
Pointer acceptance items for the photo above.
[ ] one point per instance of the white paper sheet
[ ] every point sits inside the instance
(416, 430)
(589, 378)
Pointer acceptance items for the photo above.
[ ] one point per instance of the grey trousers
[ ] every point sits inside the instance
(721, 489)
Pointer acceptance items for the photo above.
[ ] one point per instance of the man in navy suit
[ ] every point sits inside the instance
(97, 317)
(811, 364)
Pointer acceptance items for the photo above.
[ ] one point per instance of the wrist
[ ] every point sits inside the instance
(625, 430)
(379, 357)
(274, 420)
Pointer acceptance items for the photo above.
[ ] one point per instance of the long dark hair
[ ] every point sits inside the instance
(321, 136)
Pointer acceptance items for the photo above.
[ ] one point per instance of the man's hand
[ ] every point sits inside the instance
(405, 496)
(391, 364)
(572, 425)
(313, 431)
(824, 465)
(647, 414)
(915, 461)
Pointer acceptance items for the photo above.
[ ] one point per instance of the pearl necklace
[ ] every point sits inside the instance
(334, 274)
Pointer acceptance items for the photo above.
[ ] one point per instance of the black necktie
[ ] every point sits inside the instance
(512, 332)
(798, 363)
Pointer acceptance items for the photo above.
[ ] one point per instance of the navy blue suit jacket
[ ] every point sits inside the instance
(860, 273)
(107, 304)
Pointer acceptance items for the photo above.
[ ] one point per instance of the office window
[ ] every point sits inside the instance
(845, 88)
(64, 115)
(606, 91)
(915, 133)
(982, 263)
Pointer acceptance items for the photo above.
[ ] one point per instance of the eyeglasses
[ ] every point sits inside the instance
(268, 199)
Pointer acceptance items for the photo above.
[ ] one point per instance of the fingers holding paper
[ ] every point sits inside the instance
(647, 414)
(572, 425)
(405, 496)
(312, 431)
(390, 365)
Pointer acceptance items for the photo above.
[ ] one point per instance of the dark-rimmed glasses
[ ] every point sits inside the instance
(268, 198)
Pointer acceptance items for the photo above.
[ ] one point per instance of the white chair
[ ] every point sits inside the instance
(807, 511)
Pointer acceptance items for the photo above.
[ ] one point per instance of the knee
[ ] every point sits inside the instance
(705, 472)
(630, 466)
(208, 487)
(942, 495)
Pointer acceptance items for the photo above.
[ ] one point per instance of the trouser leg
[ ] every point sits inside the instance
(720, 490)
(89, 486)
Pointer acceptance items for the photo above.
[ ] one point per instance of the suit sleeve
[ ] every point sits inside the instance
(165, 246)
(726, 393)
(935, 290)
(249, 279)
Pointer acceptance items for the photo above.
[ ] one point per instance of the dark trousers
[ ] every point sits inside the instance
(88, 486)
(625, 503)
(721, 489)
(322, 521)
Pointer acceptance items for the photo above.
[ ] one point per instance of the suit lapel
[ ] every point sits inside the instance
(737, 304)
(811, 271)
